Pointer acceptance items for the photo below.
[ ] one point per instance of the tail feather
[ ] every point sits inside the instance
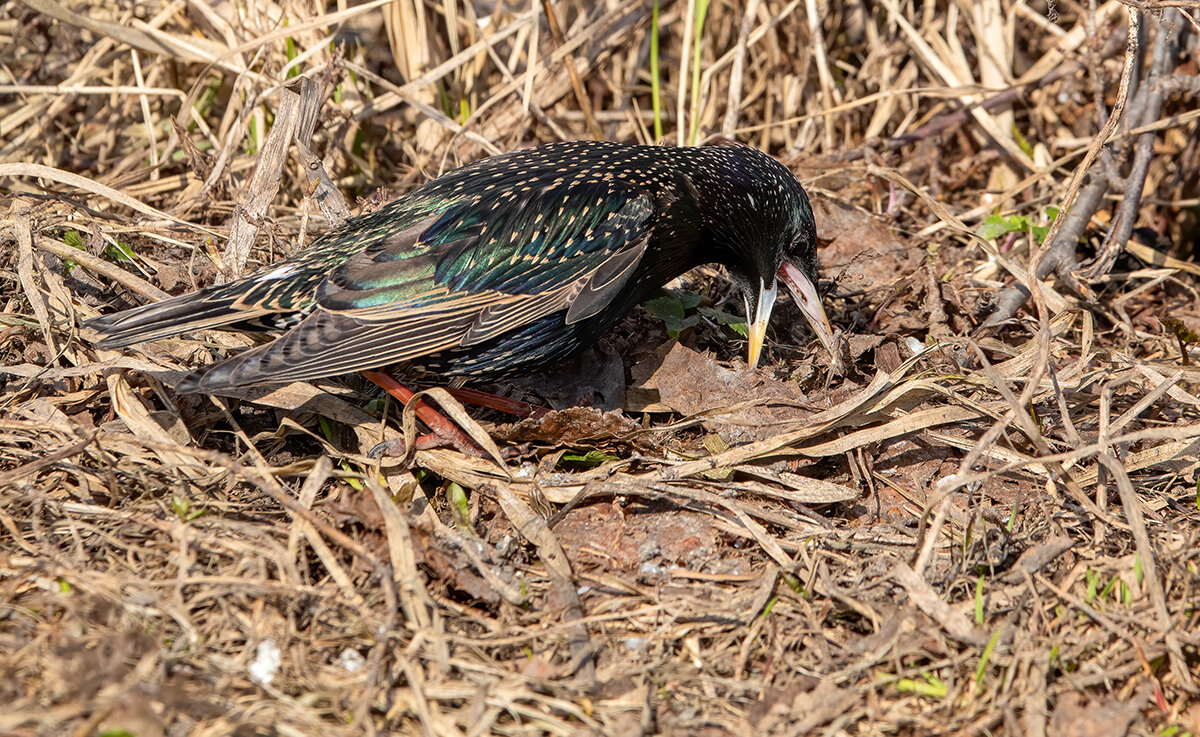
(202, 310)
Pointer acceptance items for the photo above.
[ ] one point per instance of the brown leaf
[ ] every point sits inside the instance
(1104, 717)
(568, 426)
(690, 383)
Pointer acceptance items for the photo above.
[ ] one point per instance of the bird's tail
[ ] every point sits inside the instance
(203, 310)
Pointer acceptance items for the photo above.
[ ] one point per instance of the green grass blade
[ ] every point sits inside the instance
(697, 39)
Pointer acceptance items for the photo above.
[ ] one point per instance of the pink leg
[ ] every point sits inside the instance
(444, 432)
(500, 404)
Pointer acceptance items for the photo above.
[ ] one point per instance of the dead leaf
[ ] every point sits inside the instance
(568, 426)
(743, 405)
(1103, 717)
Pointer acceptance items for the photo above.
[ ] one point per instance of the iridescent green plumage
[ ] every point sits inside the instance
(502, 266)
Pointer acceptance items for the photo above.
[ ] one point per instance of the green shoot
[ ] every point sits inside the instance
(118, 251)
(770, 605)
(1183, 334)
(932, 687)
(456, 495)
(979, 600)
(591, 458)
(697, 38)
(1106, 592)
(290, 52)
(987, 654)
(182, 507)
(74, 240)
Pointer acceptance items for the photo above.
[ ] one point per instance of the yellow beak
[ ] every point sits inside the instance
(762, 315)
(804, 292)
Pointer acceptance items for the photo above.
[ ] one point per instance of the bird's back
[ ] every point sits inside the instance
(539, 241)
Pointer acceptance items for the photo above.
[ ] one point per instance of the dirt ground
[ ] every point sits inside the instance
(983, 518)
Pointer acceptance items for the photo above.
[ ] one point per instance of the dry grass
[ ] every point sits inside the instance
(998, 534)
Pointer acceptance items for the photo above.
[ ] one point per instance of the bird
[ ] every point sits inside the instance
(506, 266)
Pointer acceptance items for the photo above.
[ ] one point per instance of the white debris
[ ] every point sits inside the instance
(351, 660)
(266, 663)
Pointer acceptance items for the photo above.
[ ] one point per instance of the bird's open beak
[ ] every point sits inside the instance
(804, 292)
(762, 315)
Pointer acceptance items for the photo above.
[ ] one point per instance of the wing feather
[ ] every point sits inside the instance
(398, 300)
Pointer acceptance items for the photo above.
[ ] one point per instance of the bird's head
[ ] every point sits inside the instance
(760, 218)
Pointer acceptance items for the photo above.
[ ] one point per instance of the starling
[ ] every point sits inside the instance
(507, 265)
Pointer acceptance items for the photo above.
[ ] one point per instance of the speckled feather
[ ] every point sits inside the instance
(500, 267)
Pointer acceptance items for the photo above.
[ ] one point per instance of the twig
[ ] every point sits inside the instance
(97, 265)
(264, 185)
(1145, 108)
(1118, 109)
(1057, 252)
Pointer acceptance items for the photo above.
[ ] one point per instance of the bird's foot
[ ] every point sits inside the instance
(506, 405)
(445, 433)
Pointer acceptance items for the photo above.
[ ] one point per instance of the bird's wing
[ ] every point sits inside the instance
(271, 299)
(479, 270)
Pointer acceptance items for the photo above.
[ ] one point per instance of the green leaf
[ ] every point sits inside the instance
(689, 300)
(737, 324)
(671, 308)
(665, 307)
(697, 48)
(979, 600)
(995, 226)
(457, 496)
(182, 508)
(73, 239)
(252, 137)
(932, 687)
(207, 98)
(329, 431)
(1182, 332)
(1022, 142)
(1039, 232)
(987, 654)
(290, 52)
(119, 251)
(590, 458)
(794, 584)
(1107, 591)
(770, 605)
